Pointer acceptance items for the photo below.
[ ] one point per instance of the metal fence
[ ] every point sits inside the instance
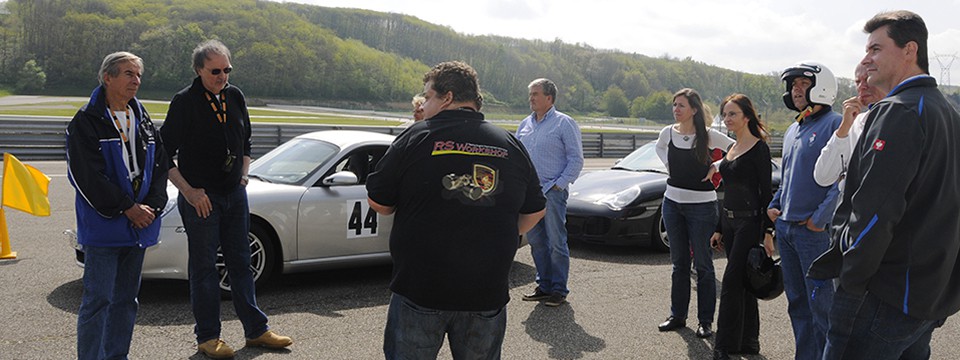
(43, 139)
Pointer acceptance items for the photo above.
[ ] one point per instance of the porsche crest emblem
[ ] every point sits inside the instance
(485, 177)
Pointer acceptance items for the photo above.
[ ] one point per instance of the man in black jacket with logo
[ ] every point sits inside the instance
(897, 231)
(462, 189)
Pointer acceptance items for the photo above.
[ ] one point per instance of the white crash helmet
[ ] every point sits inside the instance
(823, 90)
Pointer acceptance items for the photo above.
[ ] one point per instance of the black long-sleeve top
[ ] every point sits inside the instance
(746, 181)
(193, 133)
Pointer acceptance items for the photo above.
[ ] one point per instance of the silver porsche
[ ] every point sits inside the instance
(308, 211)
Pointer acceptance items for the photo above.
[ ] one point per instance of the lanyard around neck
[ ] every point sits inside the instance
(219, 107)
(130, 148)
(120, 129)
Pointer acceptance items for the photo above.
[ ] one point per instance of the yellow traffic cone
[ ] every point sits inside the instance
(5, 252)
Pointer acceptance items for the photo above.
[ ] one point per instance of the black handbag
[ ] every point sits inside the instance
(764, 278)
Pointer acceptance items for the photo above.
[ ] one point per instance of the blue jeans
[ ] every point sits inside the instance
(548, 245)
(807, 303)
(690, 226)
(865, 327)
(108, 310)
(416, 332)
(227, 227)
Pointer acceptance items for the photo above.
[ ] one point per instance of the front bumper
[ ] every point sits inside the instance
(166, 260)
(597, 224)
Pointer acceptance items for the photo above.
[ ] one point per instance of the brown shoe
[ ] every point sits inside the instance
(215, 349)
(270, 340)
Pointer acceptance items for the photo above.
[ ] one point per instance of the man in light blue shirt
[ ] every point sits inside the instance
(553, 140)
(802, 209)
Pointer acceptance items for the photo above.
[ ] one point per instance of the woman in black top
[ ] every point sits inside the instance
(746, 176)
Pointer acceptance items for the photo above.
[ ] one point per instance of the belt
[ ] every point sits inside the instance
(736, 214)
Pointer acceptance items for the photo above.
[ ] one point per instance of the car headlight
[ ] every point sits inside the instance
(170, 206)
(617, 201)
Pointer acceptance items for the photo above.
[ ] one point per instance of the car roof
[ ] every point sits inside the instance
(345, 138)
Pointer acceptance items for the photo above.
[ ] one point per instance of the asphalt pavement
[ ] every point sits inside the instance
(618, 296)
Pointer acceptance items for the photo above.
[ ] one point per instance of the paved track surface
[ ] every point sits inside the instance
(618, 296)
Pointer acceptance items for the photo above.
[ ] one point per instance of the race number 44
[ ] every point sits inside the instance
(361, 220)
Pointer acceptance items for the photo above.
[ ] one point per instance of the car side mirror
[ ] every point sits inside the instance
(341, 178)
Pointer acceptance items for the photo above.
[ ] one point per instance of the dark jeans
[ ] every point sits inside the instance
(807, 303)
(865, 327)
(690, 226)
(738, 321)
(108, 309)
(415, 332)
(227, 227)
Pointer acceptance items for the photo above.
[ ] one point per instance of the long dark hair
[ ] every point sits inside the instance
(702, 141)
(753, 120)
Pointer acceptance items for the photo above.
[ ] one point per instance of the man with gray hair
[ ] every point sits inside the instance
(208, 129)
(118, 167)
(553, 140)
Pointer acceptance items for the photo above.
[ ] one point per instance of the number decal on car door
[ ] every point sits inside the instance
(361, 220)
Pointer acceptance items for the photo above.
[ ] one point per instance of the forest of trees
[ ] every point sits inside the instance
(313, 54)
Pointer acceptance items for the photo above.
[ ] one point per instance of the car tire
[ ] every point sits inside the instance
(658, 235)
(262, 259)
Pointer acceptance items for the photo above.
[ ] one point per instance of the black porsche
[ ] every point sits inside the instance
(621, 206)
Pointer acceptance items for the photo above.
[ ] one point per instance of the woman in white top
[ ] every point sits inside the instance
(834, 157)
(690, 208)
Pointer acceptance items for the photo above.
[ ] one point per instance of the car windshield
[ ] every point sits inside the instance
(642, 159)
(293, 161)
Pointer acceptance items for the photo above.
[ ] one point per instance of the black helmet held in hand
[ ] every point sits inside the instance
(764, 278)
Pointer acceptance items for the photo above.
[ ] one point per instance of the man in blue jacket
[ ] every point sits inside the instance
(801, 209)
(118, 166)
(897, 231)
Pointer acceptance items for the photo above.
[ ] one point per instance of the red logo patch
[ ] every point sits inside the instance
(878, 145)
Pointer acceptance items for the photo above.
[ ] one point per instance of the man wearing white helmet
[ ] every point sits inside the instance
(802, 209)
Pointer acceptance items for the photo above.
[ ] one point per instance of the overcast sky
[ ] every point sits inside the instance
(755, 36)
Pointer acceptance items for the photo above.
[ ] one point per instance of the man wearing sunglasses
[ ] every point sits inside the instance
(208, 128)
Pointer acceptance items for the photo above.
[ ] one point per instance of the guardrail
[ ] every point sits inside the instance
(43, 139)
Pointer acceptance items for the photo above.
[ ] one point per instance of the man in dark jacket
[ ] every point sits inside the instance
(462, 189)
(117, 164)
(208, 128)
(897, 231)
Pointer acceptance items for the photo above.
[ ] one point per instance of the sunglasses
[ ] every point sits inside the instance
(225, 70)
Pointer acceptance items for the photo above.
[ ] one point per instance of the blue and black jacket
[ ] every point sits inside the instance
(97, 171)
(897, 230)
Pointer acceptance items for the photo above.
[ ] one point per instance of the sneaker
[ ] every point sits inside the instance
(270, 340)
(536, 295)
(215, 349)
(555, 300)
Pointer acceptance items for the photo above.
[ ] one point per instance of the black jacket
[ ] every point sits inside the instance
(897, 231)
(201, 143)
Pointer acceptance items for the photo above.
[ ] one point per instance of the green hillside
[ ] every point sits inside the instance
(294, 53)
